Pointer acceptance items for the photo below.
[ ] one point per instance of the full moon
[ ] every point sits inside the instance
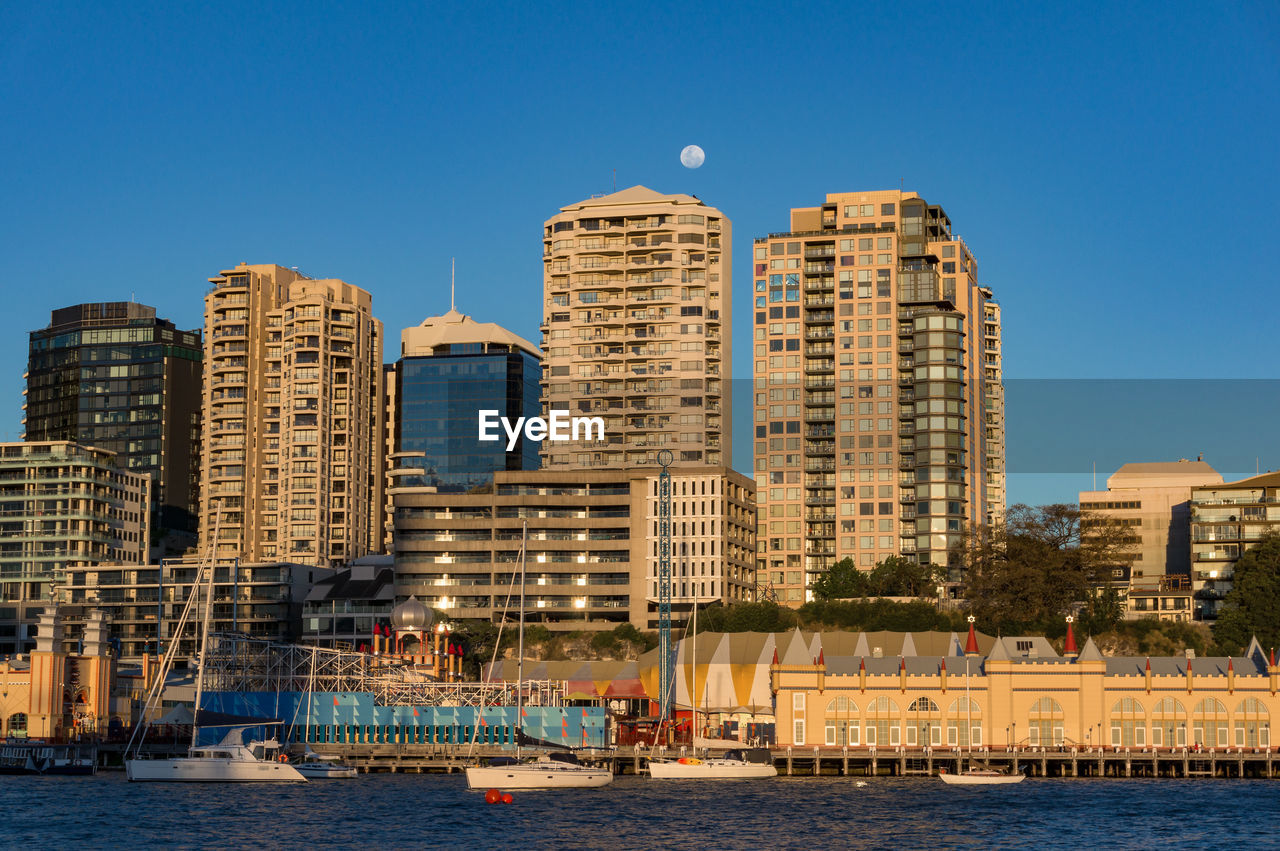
(692, 156)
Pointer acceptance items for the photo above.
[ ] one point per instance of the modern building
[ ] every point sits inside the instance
(62, 506)
(593, 554)
(293, 451)
(636, 328)
(115, 376)
(1018, 692)
(342, 609)
(260, 600)
(452, 367)
(1153, 501)
(1226, 520)
(878, 419)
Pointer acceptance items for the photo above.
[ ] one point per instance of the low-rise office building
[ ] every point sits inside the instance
(592, 546)
(342, 609)
(261, 600)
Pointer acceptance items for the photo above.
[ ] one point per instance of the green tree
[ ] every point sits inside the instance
(842, 581)
(1252, 607)
(1041, 563)
(900, 577)
(765, 616)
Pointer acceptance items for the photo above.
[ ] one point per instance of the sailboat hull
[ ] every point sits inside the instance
(967, 779)
(217, 770)
(537, 776)
(710, 769)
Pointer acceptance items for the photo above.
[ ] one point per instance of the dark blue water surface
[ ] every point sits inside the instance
(410, 811)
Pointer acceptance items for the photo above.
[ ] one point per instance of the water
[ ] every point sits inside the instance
(401, 811)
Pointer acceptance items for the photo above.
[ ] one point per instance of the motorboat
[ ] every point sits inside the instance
(548, 771)
(229, 761)
(740, 765)
(315, 767)
(981, 777)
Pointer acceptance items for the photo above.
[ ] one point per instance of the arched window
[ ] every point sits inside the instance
(1209, 723)
(18, 725)
(841, 722)
(1045, 723)
(883, 727)
(1169, 724)
(1253, 724)
(964, 723)
(923, 723)
(1128, 724)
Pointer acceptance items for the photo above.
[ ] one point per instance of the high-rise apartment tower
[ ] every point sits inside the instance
(293, 449)
(871, 394)
(636, 328)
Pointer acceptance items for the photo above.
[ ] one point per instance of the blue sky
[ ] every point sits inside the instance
(1113, 168)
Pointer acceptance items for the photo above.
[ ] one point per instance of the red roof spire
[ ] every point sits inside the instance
(1230, 666)
(971, 645)
(1273, 657)
(775, 656)
(1148, 664)
(822, 659)
(944, 666)
(1070, 648)
(862, 663)
(902, 665)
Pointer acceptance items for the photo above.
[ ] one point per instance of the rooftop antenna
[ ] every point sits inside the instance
(1095, 475)
(453, 272)
(615, 180)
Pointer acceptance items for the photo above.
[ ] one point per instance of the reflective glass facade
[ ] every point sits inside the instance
(438, 399)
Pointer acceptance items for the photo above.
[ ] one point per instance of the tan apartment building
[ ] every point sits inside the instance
(1153, 501)
(1226, 520)
(993, 375)
(873, 347)
(636, 328)
(293, 449)
(593, 557)
(62, 506)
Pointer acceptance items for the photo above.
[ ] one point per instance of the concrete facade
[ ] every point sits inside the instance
(1226, 520)
(292, 406)
(636, 329)
(62, 506)
(592, 561)
(878, 413)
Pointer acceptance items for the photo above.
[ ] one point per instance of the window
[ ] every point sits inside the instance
(797, 716)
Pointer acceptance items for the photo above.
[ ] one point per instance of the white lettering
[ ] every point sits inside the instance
(488, 420)
(513, 433)
(559, 427)
(559, 422)
(589, 423)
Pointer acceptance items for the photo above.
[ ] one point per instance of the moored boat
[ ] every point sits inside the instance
(734, 765)
(550, 771)
(981, 777)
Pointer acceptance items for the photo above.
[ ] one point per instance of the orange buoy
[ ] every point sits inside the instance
(506, 798)
(492, 796)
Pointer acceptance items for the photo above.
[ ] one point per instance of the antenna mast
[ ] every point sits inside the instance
(453, 272)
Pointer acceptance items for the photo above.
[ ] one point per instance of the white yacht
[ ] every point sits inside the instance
(229, 761)
(316, 767)
(743, 765)
(980, 777)
(550, 771)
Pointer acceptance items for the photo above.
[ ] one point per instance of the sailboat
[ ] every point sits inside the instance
(735, 764)
(974, 776)
(229, 761)
(548, 771)
(313, 766)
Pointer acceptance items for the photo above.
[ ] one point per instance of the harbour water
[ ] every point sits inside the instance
(419, 811)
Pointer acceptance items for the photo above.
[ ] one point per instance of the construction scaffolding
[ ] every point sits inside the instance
(240, 664)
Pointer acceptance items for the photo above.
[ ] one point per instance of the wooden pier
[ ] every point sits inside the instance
(797, 762)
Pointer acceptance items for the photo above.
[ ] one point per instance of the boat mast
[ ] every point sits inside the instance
(694, 736)
(968, 704)
(204, 631)
(524, 556)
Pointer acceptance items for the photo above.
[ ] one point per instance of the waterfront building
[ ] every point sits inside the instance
(636, 328)
(342, 609)
(258, 599)
(593, 551)
(293, 453)
(878, 416)
(1152, 501)
(115, 376)
(1018, 691)
(62, 506)
(452, 367)
(1226, 520)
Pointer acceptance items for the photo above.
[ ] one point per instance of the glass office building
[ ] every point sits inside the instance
(451, 369)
